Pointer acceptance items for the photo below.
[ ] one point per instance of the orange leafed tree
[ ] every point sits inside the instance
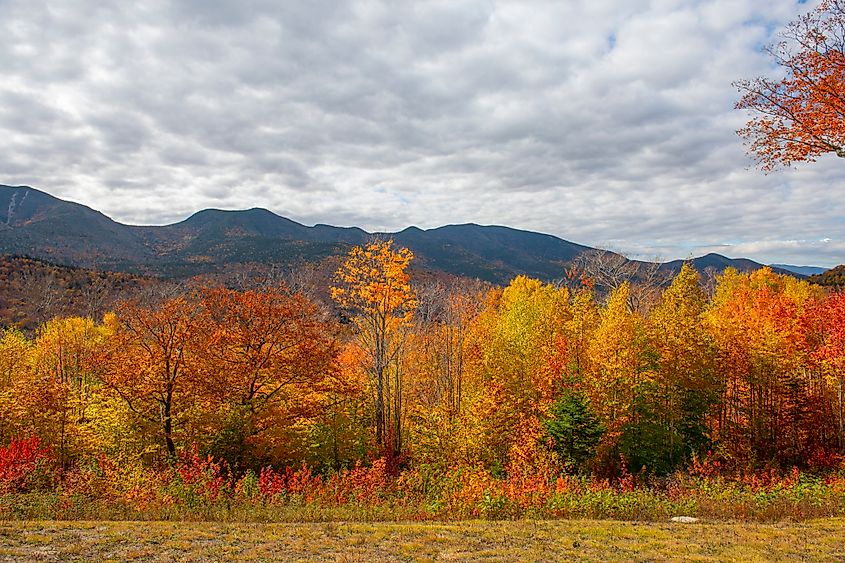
(373, 285)
(251, 345)
(261, 353)
(829, 352)
(802, 115)
(755, 323)
(145, 361)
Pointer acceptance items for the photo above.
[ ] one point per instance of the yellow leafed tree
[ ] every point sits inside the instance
(374, 287)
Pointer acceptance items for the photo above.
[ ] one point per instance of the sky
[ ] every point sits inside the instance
(607, 123)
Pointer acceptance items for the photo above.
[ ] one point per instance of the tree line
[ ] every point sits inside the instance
(532, 375)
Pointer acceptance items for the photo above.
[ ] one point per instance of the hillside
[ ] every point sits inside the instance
(33, 291)
(36, 224)
(835, 277)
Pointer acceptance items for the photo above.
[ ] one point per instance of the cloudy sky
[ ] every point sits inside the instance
(605, 122)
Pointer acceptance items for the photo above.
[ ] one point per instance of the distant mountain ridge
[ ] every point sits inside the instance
(803, 270)
(36, 224)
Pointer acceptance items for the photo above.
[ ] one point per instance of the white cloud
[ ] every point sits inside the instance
(598, 121)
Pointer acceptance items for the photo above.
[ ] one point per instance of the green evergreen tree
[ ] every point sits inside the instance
(575, 431)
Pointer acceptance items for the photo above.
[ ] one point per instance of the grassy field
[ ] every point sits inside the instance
(524, 540)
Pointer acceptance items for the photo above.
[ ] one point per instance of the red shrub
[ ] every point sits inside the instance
(271, 483)
(301, 482)
(203, 473)
(361, 484)
(707, 468)
(22, 463)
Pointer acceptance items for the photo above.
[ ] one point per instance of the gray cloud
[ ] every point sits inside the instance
(601, 122)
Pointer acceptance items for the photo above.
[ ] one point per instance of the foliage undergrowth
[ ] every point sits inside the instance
(200, 488)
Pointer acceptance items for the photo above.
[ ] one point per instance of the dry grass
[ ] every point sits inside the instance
(523, 540)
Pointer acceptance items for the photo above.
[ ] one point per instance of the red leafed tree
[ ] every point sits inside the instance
(802, 115)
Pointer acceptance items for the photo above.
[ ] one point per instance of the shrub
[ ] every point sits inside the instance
(25, 465)
(201, 478)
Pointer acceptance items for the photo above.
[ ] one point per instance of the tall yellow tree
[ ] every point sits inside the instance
(66, 374)
(373, 286)
(616, 361)
(687, 386)
(515, 357)
(16, 369)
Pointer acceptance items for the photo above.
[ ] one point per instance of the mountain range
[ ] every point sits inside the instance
(36, 224)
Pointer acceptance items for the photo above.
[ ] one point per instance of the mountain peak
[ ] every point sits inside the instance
(215, 212)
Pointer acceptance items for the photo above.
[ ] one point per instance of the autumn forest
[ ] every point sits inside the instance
(427, 400)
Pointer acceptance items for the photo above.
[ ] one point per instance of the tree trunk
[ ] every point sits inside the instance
(380, 406)
(167, 426)
(397, 413)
